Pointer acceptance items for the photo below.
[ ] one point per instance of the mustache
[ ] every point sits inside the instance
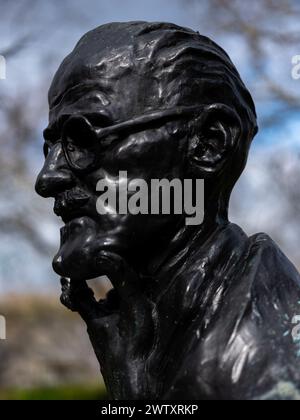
(70, 201)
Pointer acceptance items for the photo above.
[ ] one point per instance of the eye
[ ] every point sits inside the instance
(78, 133)
(70, 147)
(80, 143)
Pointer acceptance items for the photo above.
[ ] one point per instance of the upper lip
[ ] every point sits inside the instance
(69, 204)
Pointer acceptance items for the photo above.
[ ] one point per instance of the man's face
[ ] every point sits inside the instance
(153, 152)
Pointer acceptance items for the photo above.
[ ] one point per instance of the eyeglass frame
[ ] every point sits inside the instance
(131, 124)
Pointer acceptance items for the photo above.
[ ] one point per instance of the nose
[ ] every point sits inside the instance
(55, 175)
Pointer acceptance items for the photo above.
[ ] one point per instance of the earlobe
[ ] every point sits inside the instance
(214, 138)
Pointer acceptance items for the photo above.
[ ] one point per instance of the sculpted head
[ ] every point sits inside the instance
(177, 108)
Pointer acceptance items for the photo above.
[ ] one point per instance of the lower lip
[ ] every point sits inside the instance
(71, 226)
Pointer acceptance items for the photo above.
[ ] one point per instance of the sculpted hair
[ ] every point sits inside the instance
(181, 67)
(192, 69)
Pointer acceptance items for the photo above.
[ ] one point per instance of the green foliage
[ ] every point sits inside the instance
(76, 392)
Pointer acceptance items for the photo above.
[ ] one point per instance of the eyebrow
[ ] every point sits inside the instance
(52, 133)
(80, 88)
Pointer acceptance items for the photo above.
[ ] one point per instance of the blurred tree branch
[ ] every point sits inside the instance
(16, 47)
(18, 128)
(267, 27)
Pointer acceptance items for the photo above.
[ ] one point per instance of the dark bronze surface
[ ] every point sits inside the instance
(196, 312)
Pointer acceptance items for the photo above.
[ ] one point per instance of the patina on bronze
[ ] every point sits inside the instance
(196, 312)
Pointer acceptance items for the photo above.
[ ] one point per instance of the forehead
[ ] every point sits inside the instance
(106, 78)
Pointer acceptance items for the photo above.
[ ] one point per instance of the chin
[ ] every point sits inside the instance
(79, 267)
(82, 241)
(76, 256)
(81, 260)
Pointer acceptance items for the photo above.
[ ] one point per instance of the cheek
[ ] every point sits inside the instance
(151, 154)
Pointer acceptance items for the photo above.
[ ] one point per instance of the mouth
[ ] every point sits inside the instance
(111, 302)
(68, 216)
(70, 204)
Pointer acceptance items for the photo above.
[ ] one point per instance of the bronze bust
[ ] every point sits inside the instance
(196, 311)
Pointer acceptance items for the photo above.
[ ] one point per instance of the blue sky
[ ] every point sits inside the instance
(55, 30)
(55, 27)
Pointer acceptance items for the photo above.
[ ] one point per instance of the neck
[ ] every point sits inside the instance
(174, 252)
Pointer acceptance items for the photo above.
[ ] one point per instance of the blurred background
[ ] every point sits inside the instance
(47, 353)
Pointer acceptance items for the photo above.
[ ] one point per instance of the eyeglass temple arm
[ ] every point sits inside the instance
(145, 119)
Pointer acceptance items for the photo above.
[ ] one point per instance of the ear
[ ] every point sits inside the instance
(215, 137)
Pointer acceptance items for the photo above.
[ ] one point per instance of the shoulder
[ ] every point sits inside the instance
(269, 270)
(260, 341)
(248, 346)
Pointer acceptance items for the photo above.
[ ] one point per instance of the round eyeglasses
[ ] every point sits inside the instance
(84, 145)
